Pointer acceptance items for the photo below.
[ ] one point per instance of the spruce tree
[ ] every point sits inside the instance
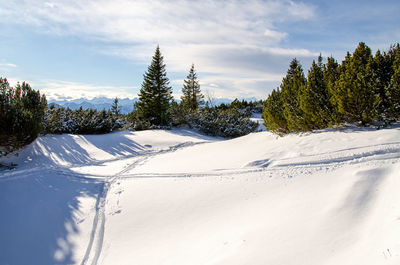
(290, 88)
(382, 70)
(192, 97)
(314, 99)
(393, 90)
(22, 111)
(354, 93)
(155, 94)
(274, 120)
(331, 75)
(115, 108)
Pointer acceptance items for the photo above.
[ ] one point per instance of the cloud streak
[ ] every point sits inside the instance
(229, 39)
(58, 89)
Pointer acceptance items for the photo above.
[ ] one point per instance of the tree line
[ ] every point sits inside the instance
(21, 113)
(156, 109)
(24, 113)
(363, 89)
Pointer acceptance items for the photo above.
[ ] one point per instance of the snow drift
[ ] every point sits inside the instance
(179, 197)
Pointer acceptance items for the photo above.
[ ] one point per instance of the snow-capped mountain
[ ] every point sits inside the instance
(126, 104)
(99, 103)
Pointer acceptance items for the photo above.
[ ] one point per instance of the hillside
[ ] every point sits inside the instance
(179, 197)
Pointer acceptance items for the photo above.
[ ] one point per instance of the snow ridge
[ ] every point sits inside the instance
(121, 198)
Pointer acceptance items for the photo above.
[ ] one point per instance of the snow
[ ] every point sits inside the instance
(257, 117)
(179, 197)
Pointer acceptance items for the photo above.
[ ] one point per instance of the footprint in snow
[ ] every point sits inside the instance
(116, 212)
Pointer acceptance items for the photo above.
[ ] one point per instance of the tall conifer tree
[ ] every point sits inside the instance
(331, 75)
(290, 88)
(192, 97)
(314, 99)
(354, 93)
(115, 108)
(156, 94)
(393, 90)
(274, 120)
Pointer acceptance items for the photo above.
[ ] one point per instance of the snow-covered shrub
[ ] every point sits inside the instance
(90, 121)
(21, 111)
(225, 123)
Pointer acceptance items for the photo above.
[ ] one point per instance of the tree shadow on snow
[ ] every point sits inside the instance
(195, 134)
(38, 215)
(40, 199)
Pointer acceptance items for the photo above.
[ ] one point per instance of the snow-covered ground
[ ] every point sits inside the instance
(257, 117)
(179, 197)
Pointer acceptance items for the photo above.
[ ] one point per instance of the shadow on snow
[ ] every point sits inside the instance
(40, 199)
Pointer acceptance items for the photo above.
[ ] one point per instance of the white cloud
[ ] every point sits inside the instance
(7, 65)
(58, 89)
(228, 38)
(153, 21)
(275, 34)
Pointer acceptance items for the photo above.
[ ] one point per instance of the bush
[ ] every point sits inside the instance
(226, 123)
(21, 114)
(90, 121)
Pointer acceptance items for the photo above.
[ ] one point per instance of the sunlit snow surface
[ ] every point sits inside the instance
(179, 197)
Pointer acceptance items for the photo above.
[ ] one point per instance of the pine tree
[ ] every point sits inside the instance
(331, 75)
(382, 70)
(115, 108)
(355, 94)
(314, 99)
(393, 90)
(22, 111)
(290, 88)
(274, 120)
(155, 94)
(192, 97)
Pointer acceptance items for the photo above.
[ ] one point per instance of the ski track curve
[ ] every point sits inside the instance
(95, 244)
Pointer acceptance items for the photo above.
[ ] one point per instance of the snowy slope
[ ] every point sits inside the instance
(178, 197)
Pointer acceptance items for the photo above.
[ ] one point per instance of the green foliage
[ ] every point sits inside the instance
(354, 93)
(225, 120)
(90, 121)
(393, 90)
(331, 74)
(363, 89)
(192, 97)
(115, 109)
(274, 119)
(291, 87)
(226, 123)
(21, 112)
(314, 99)
(155, 94)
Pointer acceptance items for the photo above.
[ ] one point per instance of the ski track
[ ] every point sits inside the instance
(285, 167)
(329, 161)
(97, 234)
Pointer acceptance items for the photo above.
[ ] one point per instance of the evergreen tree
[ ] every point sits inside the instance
(314, 99)
(382, 70)
(115, 108)
(192, 97)
(291, 87)
(393, 90)
(331, 75)
(21, 111)
(274, 119)
(354, 93)
(155, 94)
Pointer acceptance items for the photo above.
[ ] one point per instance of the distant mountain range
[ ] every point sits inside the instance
(126, 104)
(99, 103)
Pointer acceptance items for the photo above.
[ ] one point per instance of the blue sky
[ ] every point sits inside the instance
(88, 48)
